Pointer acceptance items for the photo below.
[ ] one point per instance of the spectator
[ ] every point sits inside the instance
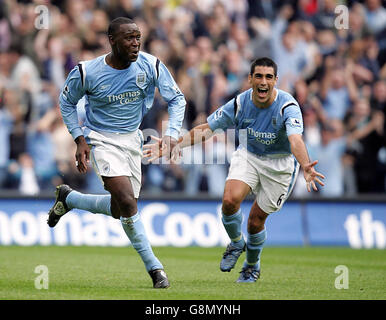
(378, 105)
(6, 123)
(326, 15)
(41, 148)
(259, 33)
(329, 153)
(357, 22)
(52, 56)
(365, 127)
(19, 112)
(375, 15)
(24, 74)
(218, 25)
(378, 102)
(287, 49)
(235, 72)
(313, 114)
(312, 53)
(192, 83)
(338, 89)
(362, 58)
(263, 9)
(27, 180)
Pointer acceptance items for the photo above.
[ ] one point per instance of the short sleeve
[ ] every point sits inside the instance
(223, 117)
(293, 119)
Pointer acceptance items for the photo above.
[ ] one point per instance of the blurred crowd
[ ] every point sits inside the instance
(334, 65)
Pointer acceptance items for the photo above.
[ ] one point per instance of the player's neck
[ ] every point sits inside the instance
(114, 62)
(267, 104)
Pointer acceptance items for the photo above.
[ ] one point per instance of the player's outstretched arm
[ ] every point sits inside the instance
(156, 150)
(299, 150)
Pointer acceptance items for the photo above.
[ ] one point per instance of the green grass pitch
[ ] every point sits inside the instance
(288, 273)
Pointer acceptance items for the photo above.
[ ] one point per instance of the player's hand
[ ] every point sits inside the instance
(82, 155)
(176, 154)
(154, 150)
(168, 144)
(312, 176)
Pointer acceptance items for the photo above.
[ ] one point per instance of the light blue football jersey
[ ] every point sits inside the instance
(266, 130)
(117, 100)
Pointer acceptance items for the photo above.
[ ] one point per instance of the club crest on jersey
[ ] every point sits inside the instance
(141, 79)
(274, 121)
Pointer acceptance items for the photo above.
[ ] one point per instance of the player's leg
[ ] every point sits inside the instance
(270, 198)
(255, 242)
(105, 204)
(89, 202)
(125, 202)
(235, 192)
(68, 199)
(256, 235)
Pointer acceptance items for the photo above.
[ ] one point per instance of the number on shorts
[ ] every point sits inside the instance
(280, 199)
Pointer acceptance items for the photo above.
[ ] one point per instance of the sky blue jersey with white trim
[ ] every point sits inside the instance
(267, 130)
(117, 100)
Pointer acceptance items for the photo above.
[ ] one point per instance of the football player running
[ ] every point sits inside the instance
(269, 124)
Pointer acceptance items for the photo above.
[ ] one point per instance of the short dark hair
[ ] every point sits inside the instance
(114, 25)
(264, 62)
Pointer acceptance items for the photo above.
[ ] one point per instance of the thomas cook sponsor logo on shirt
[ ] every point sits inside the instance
(141, 79)
(266, 138)
(126, 97)
(295, 122)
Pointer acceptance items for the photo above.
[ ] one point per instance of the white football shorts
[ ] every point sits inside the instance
(271, 179)
(117, 154)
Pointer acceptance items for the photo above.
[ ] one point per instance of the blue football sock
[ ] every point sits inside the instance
(255, 243)
(89, 202)
(136, 233)
(232, 225)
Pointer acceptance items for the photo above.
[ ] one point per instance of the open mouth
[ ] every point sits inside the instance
(262, 92)
(134, 54)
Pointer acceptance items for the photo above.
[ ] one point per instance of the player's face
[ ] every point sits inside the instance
(263, 81)
(126, 42)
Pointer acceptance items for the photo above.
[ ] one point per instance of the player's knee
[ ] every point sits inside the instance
(255, 224)
(127, 205)
(230, 205)
(116, 214)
